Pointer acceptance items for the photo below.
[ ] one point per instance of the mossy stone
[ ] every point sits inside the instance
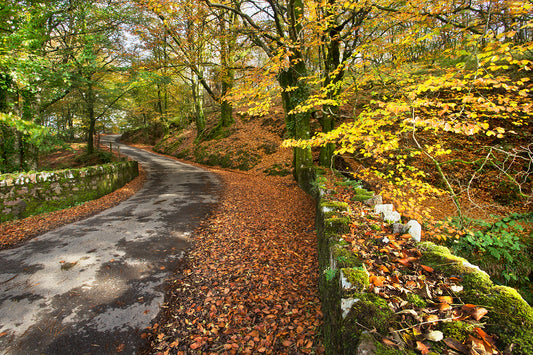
(457, 330)
(358, 277)
(345, 258)
(362, 195)
(340, 225)
(383, 349)
(369, 312)
(334, 205)
(510, 317)
(441, 258)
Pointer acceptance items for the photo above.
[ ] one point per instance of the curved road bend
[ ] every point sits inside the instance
(91, 287)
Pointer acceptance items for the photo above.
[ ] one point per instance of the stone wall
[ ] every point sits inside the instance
(26, 194)
(352, 315)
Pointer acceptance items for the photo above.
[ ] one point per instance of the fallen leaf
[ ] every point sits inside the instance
(456, 345)
(445, 299)
(287, 343)
(376, 280)
(427, 268)
(422, 348)
(478, 313)
(433, 318)
(174, 344)
(435, 336)
(444, 307)
(388, 342)
(408, 311)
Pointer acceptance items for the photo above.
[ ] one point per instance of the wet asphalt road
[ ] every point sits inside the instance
(93, 286)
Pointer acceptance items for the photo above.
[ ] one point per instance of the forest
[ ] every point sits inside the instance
(425, 101)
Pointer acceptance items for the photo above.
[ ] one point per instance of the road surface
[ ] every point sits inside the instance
(93, 286)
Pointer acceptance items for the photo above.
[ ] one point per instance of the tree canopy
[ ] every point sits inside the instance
(365, 78)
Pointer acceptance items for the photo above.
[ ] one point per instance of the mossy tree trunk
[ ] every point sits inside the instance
(5, 84)
(226, 108)
(333, 74)
(90, 99)
(298, 124)
(227, 75)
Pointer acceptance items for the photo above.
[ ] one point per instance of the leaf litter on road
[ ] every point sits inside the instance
(249, 285)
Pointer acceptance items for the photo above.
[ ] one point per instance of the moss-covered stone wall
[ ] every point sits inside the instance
(351, 313)
(23, 195)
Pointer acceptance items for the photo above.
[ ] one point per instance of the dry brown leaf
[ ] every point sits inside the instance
(478, 313)
(422, 348)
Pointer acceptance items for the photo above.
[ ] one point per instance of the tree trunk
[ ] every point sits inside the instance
(91, 118)
(199, 116)
(333, 75)
(226, 109)
(227, 75)
(17, 150)
(226, 114)
(298, 124)
(5, 83)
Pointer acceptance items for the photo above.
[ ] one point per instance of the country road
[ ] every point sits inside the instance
(93, 286)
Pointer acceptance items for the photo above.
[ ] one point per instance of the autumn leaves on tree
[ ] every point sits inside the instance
(377, 80)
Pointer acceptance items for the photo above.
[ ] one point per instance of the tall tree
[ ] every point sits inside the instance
(277, 28)
(203, 50)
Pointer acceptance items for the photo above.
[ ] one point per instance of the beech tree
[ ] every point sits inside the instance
(202, 49)
(451, 67)
(277, 28)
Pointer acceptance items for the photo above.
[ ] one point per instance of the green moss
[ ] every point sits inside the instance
(358, 277)
(339, 225)
(277, 170)
(345, 258)
(362, 195)
(441, 258)
(342, 242)
(416, 300)
(375, 227)
(47, 200)
(457, 330)
(383, 349)
(369, 312)
(339, 206)
(510, 317)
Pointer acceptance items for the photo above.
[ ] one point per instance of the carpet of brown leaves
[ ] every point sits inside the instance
(249, 285)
